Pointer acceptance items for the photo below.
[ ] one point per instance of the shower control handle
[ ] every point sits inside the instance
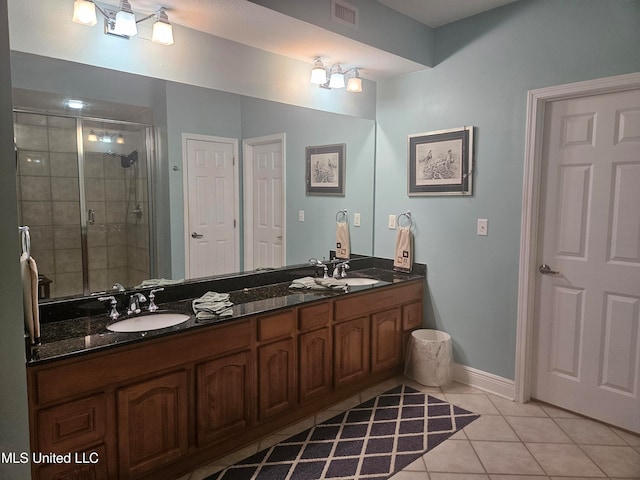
(92, 216)
(196, 235)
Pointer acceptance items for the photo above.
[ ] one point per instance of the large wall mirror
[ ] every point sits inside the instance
(104, 190)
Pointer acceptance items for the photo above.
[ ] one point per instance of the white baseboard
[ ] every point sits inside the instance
(488, 382)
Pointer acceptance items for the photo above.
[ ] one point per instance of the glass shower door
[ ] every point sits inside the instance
(116, 203)
(83, 192)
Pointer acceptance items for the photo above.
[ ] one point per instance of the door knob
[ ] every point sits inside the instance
(196, 235)
(546, 270)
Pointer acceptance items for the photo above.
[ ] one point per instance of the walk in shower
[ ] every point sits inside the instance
(83, 190)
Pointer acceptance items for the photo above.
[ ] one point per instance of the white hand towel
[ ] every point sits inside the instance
(343, 247)
(29, 273)
(403, 259)
(212, 305)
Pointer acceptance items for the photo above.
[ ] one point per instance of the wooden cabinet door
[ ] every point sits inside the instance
(276, 378)
(351, 350)
(89, 465)
(314, 364)
(152, 423)
(386, 339)
(223, 402)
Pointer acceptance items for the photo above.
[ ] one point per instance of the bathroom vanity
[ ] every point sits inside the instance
(158, 404)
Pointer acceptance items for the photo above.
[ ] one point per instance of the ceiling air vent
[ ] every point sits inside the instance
(344, 13)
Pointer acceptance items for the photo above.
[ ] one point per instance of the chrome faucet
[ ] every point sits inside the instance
(134, 303)
(113, 314)
(317, 263)
(340, 270)
(152, 297)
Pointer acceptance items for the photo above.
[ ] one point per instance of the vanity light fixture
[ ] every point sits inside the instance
(336, 79)
(123, 23)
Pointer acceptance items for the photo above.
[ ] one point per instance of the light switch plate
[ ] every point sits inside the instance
(301, 215)
(392, 222)
(483, 227)
(356, 219)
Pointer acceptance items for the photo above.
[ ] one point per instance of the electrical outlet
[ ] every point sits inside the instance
(483, 227)
(301, 215)
(392, 222)
(356, 219)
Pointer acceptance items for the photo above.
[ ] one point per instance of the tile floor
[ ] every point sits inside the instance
(509, 441)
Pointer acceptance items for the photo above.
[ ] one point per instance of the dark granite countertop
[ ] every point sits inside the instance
(83, 334)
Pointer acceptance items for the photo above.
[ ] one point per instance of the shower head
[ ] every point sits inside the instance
(126, 160)
(129, 160)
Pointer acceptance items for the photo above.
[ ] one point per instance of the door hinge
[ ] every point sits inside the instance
(234, 223)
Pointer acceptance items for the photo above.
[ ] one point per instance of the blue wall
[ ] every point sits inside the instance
(305, 127)
(485, 66)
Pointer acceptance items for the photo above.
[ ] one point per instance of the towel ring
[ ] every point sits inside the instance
(406, 214)
(344, 214)
(25, 238)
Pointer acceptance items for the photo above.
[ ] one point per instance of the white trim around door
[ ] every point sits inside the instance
(248, 190)
(536, 101)
(236, 184)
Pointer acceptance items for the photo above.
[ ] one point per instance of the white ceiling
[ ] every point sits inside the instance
(251, 24)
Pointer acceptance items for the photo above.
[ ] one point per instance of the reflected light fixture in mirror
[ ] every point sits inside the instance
(105, 137)
(123, 23)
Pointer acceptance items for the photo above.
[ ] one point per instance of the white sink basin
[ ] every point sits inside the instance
(153, 321)
(358, 281)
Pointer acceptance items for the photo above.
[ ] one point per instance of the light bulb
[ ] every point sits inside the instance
(337, 78)
(84, 13)
(354, 85)
(318, 74)
(162, 33)
(125, 20)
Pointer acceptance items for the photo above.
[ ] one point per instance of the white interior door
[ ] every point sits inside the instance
(210, 194)
(265, 197)
(587, 316)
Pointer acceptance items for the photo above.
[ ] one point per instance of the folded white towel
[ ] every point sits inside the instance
(305, 283)
(212, 305)
(403, 259)
(331, 283)
(29, 272)
(311, 283)
(158, 282)
(343, 243)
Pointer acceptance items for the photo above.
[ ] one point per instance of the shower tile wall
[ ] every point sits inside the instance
(49, 203)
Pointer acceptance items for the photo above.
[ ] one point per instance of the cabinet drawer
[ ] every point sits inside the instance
(71, 426)
(276, 326)
(314, 316)
(378, 299)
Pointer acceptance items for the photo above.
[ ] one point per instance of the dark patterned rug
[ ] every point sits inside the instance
(371, 441)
